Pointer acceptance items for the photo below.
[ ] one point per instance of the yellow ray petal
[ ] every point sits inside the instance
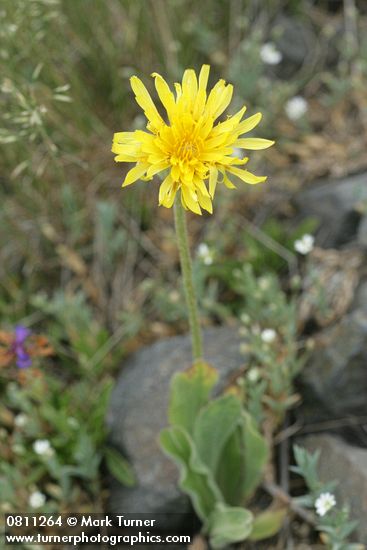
(201, 94)
(205, 125)
(135, 173)
(157, 159)
(165, 94)
(189, 201)
(189, 87)
(234, 161)
(123, 137)
(156, 168)
(246, 176)
(178, 91)
(187, 174)
(248, 124)
(145, 101)
(215, 96)
(170, 198)
(127, 149)
(205, 202)
(213, 178)
(125, 158)
(223, 102)
(203, 77)
(151, 148)
(175, 173)
(210, 143)
(165, 188)
(200, 185)
(229, 124)
(227, 182)
(254, 143)
(216, 154)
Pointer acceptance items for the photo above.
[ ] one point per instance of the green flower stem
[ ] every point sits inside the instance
(186, 268)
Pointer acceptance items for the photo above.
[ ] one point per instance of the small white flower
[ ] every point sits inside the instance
(203, 250)
(296, 107)
(268, 335)
(205, 254)
(21, 420)
(36, 499)
(253, 374)
(269, 54)
(324, 503)
(304, 245)
(43, 447)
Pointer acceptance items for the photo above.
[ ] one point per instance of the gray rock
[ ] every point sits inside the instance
(138, 411)
(335, 376)
(360, 298)
(362, 232)
(347, 465)
(295, 41)
(335, 204)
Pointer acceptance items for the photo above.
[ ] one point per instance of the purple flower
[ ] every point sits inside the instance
(23, 359)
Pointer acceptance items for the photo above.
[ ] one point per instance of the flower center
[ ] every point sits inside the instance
(187, 148)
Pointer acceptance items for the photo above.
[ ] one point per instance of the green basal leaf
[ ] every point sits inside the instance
(195, 478)
(213, 427)
(231, 468)
(267, 524)
(229, 524)
(190, 391)
(256, 455)
(119, 467)
(242, 461)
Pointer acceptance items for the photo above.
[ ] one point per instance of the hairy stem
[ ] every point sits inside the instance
(186, 268)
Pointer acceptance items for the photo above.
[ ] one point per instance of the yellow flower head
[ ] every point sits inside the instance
(191, 149)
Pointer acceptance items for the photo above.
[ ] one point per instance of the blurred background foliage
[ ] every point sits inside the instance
(96, 268)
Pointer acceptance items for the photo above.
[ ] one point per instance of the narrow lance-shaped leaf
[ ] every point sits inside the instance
(119, 467)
